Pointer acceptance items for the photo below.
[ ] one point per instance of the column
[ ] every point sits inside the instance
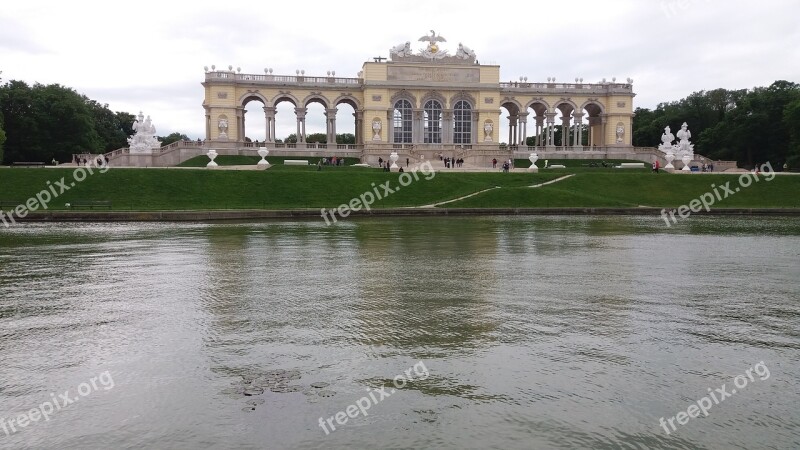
(301, 125)
(239, 125)
(523, 130)
(565, 131)
(604, 120)
(447, 123)
(476, 131)
(551, 121)
(578, 128)
(539, 127)
(359, 128)
(208, 126)
(418, 126)
(512, 129)
(269, 116)
(330, 116)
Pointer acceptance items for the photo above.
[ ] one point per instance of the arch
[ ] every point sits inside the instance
(593, 107)
(463, 96)
(512, 105)
(433, 95)
(539, 106)
(403, 94)
(349, 99)
(285, 97)
(316, 98)
(252, 96)
(559, 105)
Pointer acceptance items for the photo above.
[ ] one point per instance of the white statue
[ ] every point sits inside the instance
(376, 129)
(620, 133)
(666, 138)
(464, 52)
(401, 50)
(144, 139)
(148, 126)
(223, 128)
(684, 135)
(487, 131)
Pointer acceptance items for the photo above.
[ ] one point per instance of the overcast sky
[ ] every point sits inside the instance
(149, 56)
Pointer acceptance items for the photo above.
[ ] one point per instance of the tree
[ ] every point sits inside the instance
(291, 139)
(346, 138)
(45, 122)
(173, 137)
(111, 127)
(317, 138)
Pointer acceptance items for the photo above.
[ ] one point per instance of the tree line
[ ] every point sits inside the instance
(45, 122)
(750, 126)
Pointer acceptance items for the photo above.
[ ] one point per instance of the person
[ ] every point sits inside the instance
(654, 167)
(401, 169)
(704, 168)
(319, 165)
(407, 162)
(785, 167)
(658, 165)
(494, 163)
(380, 161)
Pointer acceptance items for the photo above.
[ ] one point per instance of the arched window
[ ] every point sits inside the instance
(402, 122)
(433, 122)
(462, 122)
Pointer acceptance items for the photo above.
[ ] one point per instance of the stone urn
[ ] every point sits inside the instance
(669, 157)
(393, 158)
(686, 160)
(533, 158)
(263, 164)
(212, 154)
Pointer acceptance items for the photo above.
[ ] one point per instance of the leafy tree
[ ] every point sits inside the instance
(291, 139)
(111, 127)
(317, 138)
(174, 137)
(346, 138)
(791, 118)
(46, 122)
(749, 126)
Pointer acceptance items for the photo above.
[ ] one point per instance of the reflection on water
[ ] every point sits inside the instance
(538, 332)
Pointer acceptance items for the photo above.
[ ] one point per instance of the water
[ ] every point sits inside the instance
(543, 332)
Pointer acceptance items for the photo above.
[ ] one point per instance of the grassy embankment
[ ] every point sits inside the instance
(280, 187)
(295, 187)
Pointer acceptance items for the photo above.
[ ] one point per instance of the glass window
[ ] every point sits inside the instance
(402, 122)
(462, 122)
(433, 122)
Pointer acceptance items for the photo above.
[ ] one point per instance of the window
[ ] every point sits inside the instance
(402, 122)
(433, 122)
(462, 121)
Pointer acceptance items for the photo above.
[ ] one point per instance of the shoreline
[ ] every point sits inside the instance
(221, 215)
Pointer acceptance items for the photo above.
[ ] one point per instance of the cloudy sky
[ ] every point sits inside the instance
(149, 56)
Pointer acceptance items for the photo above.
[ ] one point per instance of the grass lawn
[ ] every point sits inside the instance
(294, 187)
(631, 189)
(291, 187)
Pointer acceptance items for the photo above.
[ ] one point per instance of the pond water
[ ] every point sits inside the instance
(495, 332)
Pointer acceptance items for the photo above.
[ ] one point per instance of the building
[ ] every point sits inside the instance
(422, 104)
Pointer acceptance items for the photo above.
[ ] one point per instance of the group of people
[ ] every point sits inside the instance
(507, 164)
(450, 163)
(79, 160)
